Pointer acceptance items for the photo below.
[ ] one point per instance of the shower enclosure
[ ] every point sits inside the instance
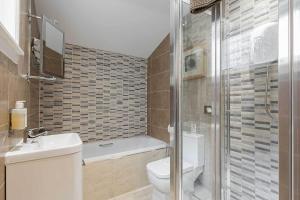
(235, 80)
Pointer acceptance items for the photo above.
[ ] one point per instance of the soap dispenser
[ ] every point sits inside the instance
(19, 116)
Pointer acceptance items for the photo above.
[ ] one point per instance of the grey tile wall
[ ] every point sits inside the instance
(253, 134)
(103, 95)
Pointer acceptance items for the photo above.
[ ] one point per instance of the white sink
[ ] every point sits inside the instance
(44, 147)
(51, 164)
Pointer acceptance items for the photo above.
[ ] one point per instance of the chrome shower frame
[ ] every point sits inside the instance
(175, 93)
(287, 78)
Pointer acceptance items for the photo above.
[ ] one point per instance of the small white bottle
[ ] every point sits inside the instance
(19, 116)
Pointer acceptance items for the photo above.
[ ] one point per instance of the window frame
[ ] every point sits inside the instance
(9, 44)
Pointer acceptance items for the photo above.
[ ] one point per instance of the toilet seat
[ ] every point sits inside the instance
(161, 168)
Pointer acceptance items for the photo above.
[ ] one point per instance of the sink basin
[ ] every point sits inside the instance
(51, 164)
(44, 147)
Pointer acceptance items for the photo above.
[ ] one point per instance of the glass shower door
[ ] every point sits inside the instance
(199, 101)
(196, 106)
(236, 108)
(250, 71)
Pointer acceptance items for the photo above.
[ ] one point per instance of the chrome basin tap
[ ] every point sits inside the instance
(34, 133)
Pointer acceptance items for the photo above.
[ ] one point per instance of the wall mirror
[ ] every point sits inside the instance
(52, 49)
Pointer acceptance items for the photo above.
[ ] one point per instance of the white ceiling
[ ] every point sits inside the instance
(131, 27)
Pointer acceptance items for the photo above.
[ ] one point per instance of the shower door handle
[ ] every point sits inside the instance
(267, 105)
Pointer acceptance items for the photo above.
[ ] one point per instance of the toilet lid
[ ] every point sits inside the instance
(161, 168)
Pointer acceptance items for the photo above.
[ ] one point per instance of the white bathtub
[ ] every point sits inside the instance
(114, 167)
(117, 148)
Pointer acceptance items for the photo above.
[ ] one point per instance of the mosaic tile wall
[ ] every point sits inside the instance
(103, 95)
(253, 134)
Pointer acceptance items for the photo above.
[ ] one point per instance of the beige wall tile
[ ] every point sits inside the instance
(18, 90)
(126, 174)
(149, 64)
(160, 100)
(160, 82)
(160, 63)
(160, 133)
(12, 88)
(2, 169)
(4, 114)
(97, 180)
(2, 191)
(160, 117)
(110, 178)
(159, 91)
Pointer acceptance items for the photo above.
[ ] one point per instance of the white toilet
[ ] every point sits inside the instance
(193, 164)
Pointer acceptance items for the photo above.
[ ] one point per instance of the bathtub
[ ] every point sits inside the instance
(117, 148)
(114, 167)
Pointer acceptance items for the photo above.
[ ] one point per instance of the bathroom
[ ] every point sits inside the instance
(149, 100)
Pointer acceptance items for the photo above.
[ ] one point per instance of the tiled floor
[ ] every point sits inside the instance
(201, 193)
(144, 193)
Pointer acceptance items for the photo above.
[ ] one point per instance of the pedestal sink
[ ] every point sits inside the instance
(45, 168)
